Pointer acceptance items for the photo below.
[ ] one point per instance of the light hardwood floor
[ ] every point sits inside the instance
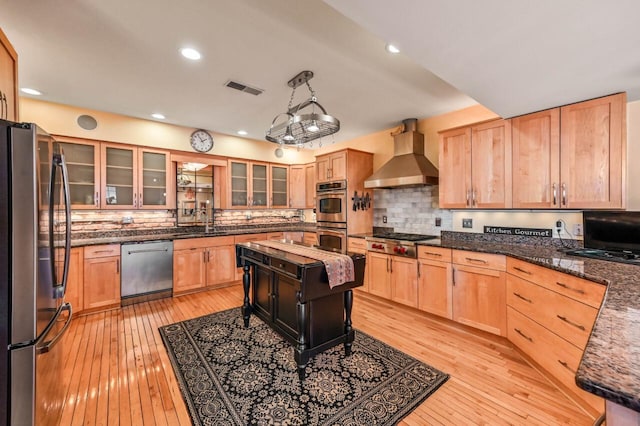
(118, 372)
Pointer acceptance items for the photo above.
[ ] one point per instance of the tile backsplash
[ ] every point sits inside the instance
(411, 210)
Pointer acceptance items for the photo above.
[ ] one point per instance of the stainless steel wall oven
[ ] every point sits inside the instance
(331, 202)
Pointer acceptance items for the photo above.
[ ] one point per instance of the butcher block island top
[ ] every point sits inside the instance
(287, 286)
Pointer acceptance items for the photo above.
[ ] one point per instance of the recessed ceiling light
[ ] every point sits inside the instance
(392, 49)
(190, 53)
(243, 132)
(158, 116)
(29, 91)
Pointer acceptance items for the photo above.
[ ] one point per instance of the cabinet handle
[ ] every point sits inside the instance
(432, 254)
(208, 256)
(555, 193)
(140, 199)
(117, 266)
(204, 257)
(564, 194)
(453, 276)
(524, 271)
(576, 325)
(523, 335)
(97, 199)
(472, 259)
(102, 251)
(473, 198)
(387, 264)
(563, 285)
(468, 197)
(418, 269)
(522, 297)
(564, 364)
(134, 200)
(391, 263)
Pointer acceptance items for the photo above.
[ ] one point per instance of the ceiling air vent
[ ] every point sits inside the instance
(243, 87)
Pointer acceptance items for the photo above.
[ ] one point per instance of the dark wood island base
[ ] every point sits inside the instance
(291, 293)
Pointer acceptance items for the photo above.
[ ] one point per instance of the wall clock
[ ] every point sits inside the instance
(201, 141)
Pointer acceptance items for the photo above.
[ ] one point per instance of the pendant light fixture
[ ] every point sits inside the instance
(301, 125)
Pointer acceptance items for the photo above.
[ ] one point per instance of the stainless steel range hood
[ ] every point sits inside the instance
(408, 167)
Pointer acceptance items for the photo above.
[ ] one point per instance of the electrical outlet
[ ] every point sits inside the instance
(438, 221)
(559, 227)
(384, 219)
(577, 229)
(127, 220)
(467, 223)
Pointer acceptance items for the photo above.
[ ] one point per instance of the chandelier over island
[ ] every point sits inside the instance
(304, 122)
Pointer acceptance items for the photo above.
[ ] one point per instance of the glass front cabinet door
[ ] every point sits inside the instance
(83, 165)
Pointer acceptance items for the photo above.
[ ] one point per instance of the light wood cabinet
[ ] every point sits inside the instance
(83, 165)
(435, 281)
(200, 263)
(310, 238)
(359, 245)
(295, 236)
(571, 157)
(393, 277)
(135, 178)
(475, 166)
(310, 185)
(8, 80)
(593, 153)
(479, 293)
(74, 293)
(331, 166)
(248, 184)
(550, 316)
(297, 187)
(536, 160)
(279, 188)
(101, 277)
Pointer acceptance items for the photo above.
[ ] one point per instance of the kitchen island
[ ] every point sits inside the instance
(291, 293)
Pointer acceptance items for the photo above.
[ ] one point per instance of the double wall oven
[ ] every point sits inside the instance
(331, 215)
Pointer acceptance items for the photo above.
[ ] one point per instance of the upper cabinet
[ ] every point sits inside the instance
(571, 157)
(8, 80)
(83, 165)
(279, 186)
(593, 153)
(310, 185)
(135, 178)
(248, 184)
(475, 166)
(302, 186)
(331, 166)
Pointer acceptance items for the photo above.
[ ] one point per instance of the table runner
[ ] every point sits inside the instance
(339, 266)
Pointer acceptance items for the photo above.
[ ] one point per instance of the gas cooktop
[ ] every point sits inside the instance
(611, 255)
(400, 236)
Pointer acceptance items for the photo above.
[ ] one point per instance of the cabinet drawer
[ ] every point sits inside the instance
(193, 243)
(357, 244)
(273, 236)
(576, 288)
(434, 253)
(249, 237)
(310, 238)
(557, 356)
(92, 252)
(568, 318)
(480, 260)
(285, 266)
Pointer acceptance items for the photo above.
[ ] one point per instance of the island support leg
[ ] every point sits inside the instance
(348, 329)
(246, 283)
(301, 353)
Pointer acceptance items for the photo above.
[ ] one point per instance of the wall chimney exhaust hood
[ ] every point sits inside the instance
(408, 167)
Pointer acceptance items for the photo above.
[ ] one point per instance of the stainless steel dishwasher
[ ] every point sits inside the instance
(147, 271)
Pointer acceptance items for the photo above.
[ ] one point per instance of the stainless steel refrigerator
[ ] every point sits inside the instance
(35, 236)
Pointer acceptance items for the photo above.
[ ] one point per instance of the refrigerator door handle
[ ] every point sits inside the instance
(58, 161)
(46, 346)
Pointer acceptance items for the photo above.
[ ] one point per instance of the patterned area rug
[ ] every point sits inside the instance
(231, 375)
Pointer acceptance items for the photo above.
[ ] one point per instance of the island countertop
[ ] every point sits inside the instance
(611, 360)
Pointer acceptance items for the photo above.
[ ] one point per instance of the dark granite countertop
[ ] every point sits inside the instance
(119, 237)
(610, 366)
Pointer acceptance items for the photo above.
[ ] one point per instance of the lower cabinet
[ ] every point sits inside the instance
(550, 316)
(479, 292)
(74, 293)
(395, 278)
(359, 245)
(435, 281)
(200, 263)
(101, 277)
(310, 238)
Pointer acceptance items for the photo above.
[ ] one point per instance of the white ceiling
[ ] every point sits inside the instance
(122, 56)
